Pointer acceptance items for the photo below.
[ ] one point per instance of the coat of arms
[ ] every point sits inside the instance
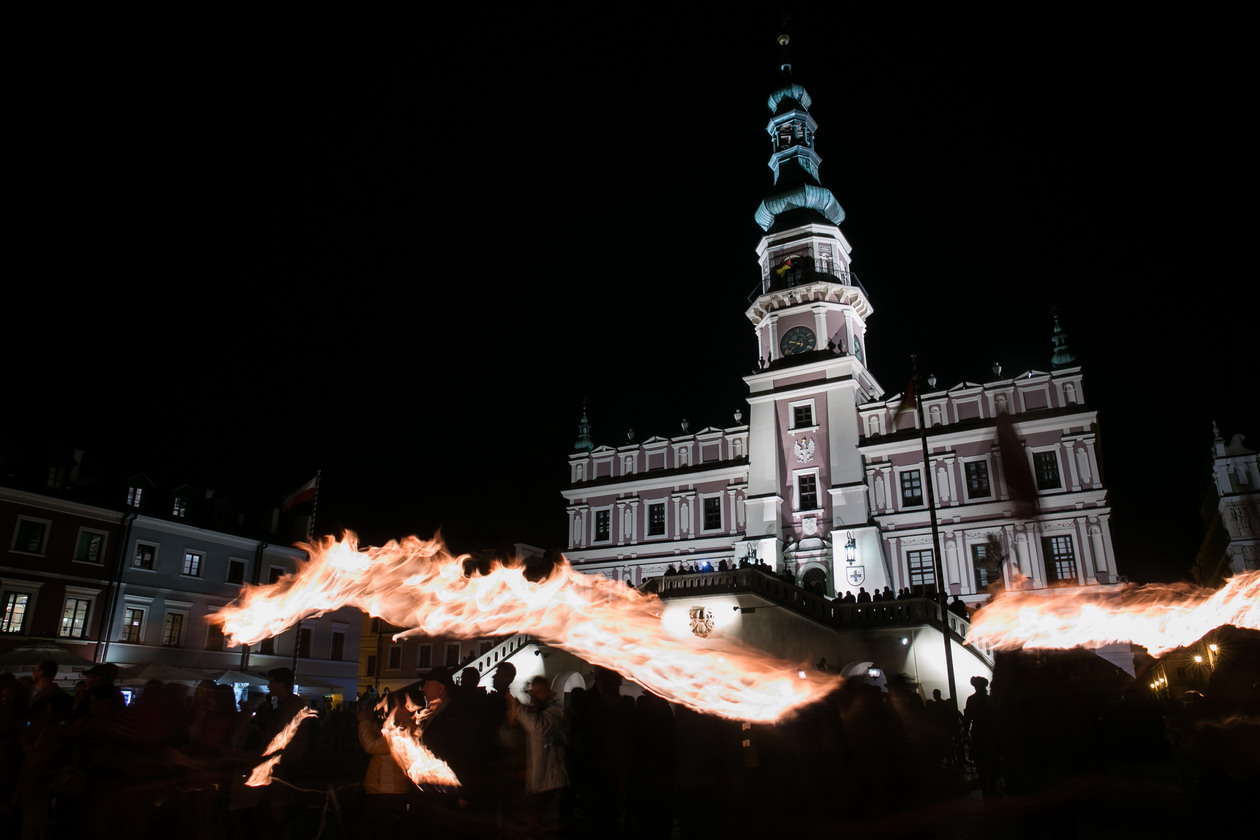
(701, 621)
(805, 450)
(856, 575)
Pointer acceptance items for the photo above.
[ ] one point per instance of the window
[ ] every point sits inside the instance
(1046, 468)
(1060, 558)
(179, 509)
(922, 572)
(236, 571)
(984, 563)
(426, 656)
(713, 513)
(807, 492)
(30, 535)
(338, 646)
(274, 573)
(192, 563)
(268, 646)
(14, 617)
(452, 655)
(656, 519)
(133, 621)
(134, 495)
(214, 638)
(90, 547)
(146, 556)
(395, 657)
(802, 415)
(602, 518)
(172, 629)
(74, 618)
(304, 643)
(977, 479)
(911, 488)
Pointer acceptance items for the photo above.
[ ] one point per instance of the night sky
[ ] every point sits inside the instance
(406, 251)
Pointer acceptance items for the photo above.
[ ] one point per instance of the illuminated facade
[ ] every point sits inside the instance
(823, 478)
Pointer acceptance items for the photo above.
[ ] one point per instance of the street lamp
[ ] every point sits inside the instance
(850, 548)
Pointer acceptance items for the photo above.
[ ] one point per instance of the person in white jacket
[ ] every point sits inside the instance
(546, 760)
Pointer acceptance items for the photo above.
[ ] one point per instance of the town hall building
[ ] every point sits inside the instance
(824, 478)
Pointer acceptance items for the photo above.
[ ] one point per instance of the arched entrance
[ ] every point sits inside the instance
(814, 580)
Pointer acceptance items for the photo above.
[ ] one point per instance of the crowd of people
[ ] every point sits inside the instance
(1056, 741)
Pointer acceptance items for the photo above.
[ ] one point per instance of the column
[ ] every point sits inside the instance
(634, 521)
(619, 522)
(678, 526)
(894, 557)
(741, 504)
(1069, 452)
(999, 479)
(1009, 532)
(820, 327)
(888, 488)
(1088, 465)
(951, 467)
(1100, 555)
(1089, 569)
(773, 327)
(951, 562)
(1021, 551)
(730, 504)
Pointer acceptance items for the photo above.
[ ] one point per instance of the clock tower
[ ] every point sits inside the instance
(807, 508)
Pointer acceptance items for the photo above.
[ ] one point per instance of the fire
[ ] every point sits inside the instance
(1158, 616)
(261, 775)
(415, 759)
(418, 584)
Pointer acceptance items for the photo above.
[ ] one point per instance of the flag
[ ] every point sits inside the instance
(306, 493)
(907, 400)
(784, 266)
(1019, 480)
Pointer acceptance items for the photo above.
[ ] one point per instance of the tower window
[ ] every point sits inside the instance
(179, 509)
(656, 519)
(802, 416)
(911, 488)
(602, 519)
(134, 496)
(807, 492)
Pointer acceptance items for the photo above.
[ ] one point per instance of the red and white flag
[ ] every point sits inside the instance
(305, 493)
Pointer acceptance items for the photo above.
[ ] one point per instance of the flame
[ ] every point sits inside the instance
(1158, 616)
(418, 584)
(261, 775)
(415, 759)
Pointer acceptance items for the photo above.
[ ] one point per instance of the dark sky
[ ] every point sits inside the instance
(406, 250)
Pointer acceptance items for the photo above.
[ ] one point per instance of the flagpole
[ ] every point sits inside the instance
(310, 537)
(929, 479)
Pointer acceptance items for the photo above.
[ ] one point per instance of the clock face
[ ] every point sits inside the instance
(797, 340)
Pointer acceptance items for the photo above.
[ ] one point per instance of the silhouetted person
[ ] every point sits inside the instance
(980, 725)
(505, 766)
(958, 608)
(44, 750)
(546, 769)
(888, 594)
(877, 595)
(863, 596)
(386, 787)
(722, 566)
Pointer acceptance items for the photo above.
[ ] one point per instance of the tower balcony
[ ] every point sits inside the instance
(804, 273)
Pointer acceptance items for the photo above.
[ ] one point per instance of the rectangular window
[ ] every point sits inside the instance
(214, 638)
(713, 513)
(134, 495)
(146, 556)
(807, 492)
(338, 646)
(452, 655)
(395, 657)
(911, 488)
(304, 643)
(172, 629)
(922, 571)
(179, 509)
(133, 620)
(985, 566)
(802, 416)
(977, 479)
(274, 573)
(192, 563)
(30, 535)
(602, 518)
(1060, 558)
(426, 656)
(14, 617)
(267, 647)
(656, 519)
(74, 618)
(236, 571)
(1046, 468)
(90, 548)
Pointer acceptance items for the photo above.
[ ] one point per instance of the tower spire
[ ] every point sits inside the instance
(584, 442)
(1062, 355)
